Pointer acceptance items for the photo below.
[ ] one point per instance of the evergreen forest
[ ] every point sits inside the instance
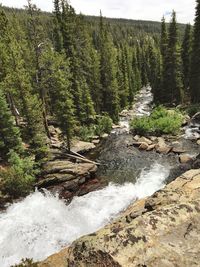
(81, 72)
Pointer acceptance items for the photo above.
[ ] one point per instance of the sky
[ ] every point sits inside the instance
(131, 9)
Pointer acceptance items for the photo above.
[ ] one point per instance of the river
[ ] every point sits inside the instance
(42, 224)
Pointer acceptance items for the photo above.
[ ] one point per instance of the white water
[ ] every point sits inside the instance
(141, 107)
(192, 131)
(41, 225)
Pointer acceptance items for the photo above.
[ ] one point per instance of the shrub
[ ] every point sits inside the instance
(104, 125)
(86, 132)
(161, 121)
(142, 125)
(17, 180)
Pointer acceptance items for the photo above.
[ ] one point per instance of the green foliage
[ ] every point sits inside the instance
(9, 133)
(86, 133)
(108, 74)
(186, 55)
(17, 180)
(172, 85)
(161, 121)
(104, 125)
(195, 59)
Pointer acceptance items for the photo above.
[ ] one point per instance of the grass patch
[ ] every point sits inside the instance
(161, 121)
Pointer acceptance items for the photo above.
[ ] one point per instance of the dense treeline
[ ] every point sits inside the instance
(79, 69)
(67, 66)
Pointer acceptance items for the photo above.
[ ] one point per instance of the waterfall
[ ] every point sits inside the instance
(42, 224)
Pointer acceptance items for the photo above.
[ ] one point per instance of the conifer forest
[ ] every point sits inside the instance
(81, 74)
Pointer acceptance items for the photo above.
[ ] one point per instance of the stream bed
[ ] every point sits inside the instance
(42, 224)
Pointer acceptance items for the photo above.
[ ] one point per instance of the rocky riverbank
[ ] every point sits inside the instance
(68, 175)
(161, 230)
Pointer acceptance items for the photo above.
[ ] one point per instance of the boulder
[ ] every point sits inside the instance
(136, 137)
(104, 136)
(153, 138)
(144, 140)
(198, 142)
(178, 150)
(178, 147)
(96, 141)
(161, 230)
(59, 171)
(81, 146)
(185, 158)
(162, 147)
(151, 147)
(143, 146)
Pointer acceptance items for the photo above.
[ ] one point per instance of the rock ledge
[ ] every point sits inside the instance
(161, 230)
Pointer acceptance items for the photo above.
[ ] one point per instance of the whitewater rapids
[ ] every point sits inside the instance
(42, 224)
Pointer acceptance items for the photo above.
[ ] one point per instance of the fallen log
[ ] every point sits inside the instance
(83, 159)
(77, 154)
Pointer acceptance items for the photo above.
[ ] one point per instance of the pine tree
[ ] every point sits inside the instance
(37, 42)
(94, 80)
(9, 134)
(123, 79)
(172, 75)
(195, 61)
(57, 20)
(186, 55)
(16, 81)
(131, 75)
(108, 67)
(74, 38)
(136, 71)
(55, 79)
(164, 38)
(154, 67)
(144, 68)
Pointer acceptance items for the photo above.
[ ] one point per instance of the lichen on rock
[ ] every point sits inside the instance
(161, 230)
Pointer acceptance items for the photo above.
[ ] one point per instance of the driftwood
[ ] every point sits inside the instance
(77, 154)
(82, 159)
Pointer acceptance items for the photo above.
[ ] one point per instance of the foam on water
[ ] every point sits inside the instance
(42, 224)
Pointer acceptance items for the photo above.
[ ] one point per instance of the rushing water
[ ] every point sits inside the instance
(141, 107)
(42, 224)
(192, 131)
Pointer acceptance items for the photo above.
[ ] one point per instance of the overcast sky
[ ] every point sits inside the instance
(132, 9)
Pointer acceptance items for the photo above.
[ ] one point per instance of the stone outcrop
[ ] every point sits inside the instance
(69, 178)
(161, 230)
(81, 146)
(67, 175)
